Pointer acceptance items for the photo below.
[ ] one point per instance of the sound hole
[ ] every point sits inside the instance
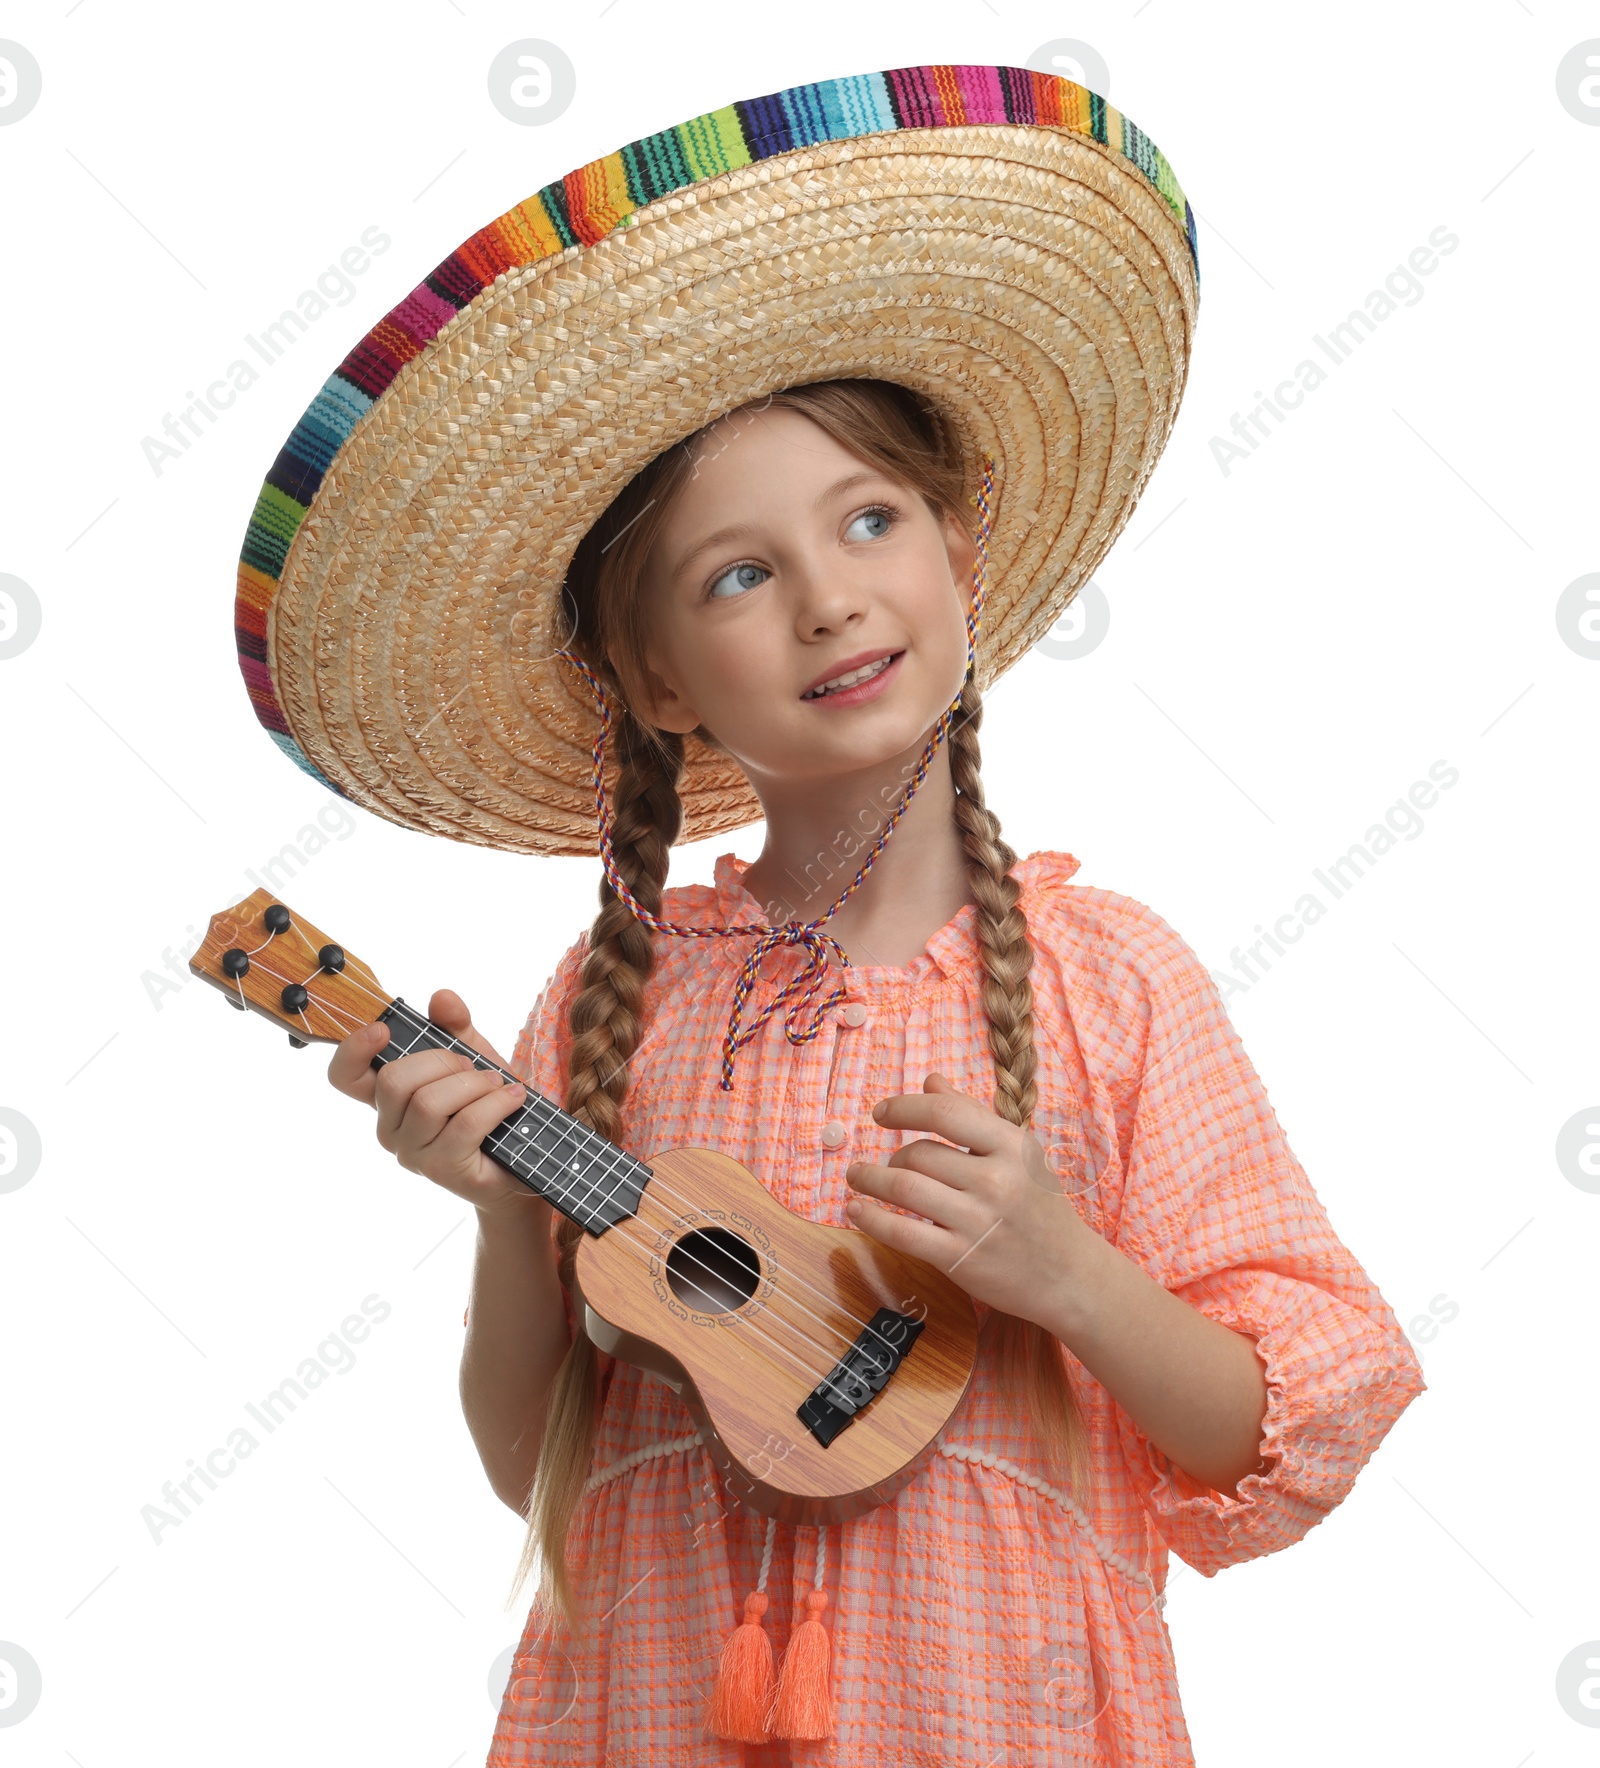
(713, 1271)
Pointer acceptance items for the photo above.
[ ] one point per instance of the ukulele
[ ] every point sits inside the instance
(820, 1365)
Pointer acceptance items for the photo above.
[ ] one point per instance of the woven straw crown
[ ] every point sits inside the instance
(1003, 241)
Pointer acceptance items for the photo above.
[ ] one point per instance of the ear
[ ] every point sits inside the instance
(963, 552)
(663, 706)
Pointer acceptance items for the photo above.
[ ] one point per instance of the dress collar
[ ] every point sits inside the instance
(952, 949)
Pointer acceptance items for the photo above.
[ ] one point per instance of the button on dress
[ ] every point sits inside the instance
(987, 1615)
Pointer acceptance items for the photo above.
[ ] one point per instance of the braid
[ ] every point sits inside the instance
(1002, 931)
(604, 1018)
(1030, 1355)
(605, 1025)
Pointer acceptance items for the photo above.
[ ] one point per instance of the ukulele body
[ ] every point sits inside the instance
(745, 1308)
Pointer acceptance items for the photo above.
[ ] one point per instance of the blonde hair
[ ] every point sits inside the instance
(894, 430)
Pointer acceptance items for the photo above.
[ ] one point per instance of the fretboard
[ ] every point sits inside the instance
(582, 1174)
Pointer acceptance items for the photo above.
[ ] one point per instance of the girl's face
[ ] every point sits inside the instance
(785, 563)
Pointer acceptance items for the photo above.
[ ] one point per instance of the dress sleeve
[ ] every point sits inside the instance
(1217, 1209)
(539, 1059)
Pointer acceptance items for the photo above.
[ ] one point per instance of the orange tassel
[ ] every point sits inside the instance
(803, 1704)
(745, 1678)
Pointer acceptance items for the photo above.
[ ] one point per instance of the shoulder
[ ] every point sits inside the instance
(690, 905)
(1119, 972)
(1098, 932)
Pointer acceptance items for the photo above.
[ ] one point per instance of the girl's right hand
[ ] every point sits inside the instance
(434, 1108)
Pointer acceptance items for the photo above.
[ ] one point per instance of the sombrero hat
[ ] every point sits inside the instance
(1002, 241)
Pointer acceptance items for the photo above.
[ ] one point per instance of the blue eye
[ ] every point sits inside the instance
(880, 512)
(735, 571)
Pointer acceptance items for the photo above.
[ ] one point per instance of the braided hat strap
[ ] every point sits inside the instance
(799, 992)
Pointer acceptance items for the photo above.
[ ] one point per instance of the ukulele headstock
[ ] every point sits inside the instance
(268, 960)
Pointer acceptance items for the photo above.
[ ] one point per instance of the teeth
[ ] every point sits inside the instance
(864, 673)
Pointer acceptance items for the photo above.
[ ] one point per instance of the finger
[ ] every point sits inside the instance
(463, 1135)
(952, 1115)
(351, 1069)
(398, 1080)
(923, 1240)
(432, 1105)
(907, 1190)
(448, 1011)
(938, 1160)
(435, 1102)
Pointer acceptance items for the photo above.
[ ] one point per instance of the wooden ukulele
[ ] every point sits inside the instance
(820, 1365)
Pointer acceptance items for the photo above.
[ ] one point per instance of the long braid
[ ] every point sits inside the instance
(604, 1017)
(605, 1025)
(1002, 931)
(1030, 1354)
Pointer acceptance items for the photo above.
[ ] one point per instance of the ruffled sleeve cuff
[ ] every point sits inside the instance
(1337, 1379)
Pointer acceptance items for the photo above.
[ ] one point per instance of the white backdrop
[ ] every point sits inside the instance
(1373, 588)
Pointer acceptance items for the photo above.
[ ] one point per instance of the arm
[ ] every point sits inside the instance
(517, 1337)
(1202, 1199)
(1196, 1388)
(434, 1109)
(520, 1319)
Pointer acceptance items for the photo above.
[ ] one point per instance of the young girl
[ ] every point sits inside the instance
(896, 1025)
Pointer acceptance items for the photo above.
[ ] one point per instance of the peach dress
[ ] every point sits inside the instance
(986, 1616)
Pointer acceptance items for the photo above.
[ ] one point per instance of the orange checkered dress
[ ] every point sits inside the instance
(986, 1616)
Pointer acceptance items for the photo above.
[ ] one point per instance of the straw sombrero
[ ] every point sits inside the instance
(1003, 241)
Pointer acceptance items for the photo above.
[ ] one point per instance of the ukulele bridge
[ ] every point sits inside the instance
(859, 1374)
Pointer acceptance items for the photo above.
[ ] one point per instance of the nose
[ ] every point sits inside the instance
(828, 596)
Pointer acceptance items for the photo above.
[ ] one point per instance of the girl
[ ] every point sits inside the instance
(749, 436)
(1095, 1161)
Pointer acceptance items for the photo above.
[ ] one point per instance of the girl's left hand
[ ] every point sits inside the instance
(998, 1221)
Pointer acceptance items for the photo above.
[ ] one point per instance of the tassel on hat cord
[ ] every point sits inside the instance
(746, 1678)
(802, 1704)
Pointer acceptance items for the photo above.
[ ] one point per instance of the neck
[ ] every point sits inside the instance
(820, 832)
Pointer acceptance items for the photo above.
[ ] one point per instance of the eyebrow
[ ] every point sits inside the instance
(734, 530)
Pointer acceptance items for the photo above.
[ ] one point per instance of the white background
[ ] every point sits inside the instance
(1293, 643)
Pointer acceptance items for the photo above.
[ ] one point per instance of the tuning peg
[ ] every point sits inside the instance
(298, 1043)
(276, 919)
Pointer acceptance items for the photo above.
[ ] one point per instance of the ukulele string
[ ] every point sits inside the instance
(656, 1180)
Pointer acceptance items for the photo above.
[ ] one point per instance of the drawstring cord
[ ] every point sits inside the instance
(817, 944)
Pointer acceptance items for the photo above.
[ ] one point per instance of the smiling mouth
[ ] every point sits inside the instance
(851, 679)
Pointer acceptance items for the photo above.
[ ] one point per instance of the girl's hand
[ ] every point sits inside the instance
(434, 1108)
(998, 1222)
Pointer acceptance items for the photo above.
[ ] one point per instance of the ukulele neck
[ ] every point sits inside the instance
(582, 1174)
